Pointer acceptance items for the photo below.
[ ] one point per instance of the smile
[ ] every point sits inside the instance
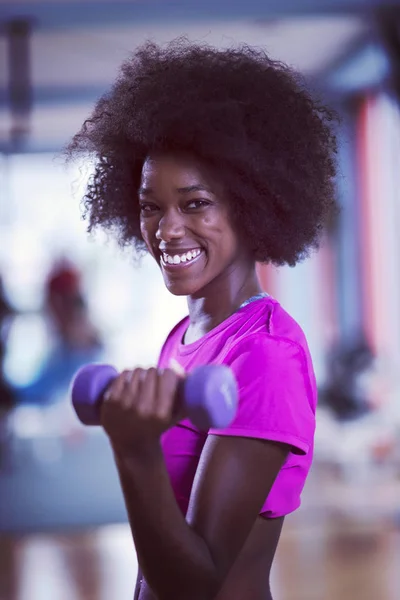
(181, 260)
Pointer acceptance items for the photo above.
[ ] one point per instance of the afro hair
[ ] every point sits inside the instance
(244, 115)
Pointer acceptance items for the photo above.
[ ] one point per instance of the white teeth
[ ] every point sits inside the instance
(178, 258)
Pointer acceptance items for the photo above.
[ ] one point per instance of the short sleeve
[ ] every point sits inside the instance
(277, 394)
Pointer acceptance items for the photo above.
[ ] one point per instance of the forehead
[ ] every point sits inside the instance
(173, 169)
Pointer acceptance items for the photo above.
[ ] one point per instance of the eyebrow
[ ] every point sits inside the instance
(143, 191)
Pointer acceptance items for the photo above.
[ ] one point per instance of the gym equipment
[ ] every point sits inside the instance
(209, 394)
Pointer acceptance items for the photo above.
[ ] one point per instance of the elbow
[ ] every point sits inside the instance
(195, 594)
(206, 589)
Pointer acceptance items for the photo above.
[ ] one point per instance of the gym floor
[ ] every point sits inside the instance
(343, 543)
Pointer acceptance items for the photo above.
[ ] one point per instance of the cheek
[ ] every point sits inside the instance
(147, 237)
(224, 236)
(214, 227)
(145, 230)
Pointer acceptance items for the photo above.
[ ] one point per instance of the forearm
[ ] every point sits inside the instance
(175, 561)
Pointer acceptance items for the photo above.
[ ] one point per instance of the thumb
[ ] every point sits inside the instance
(177, 368)
(179, 412)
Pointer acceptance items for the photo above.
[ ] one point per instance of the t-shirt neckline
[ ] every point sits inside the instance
(193, 346)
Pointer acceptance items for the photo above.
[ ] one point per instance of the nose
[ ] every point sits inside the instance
(170, 227)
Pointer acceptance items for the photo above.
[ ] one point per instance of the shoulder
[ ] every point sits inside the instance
(267, 316)
(272, 365)
(283, 326)
(270, 333)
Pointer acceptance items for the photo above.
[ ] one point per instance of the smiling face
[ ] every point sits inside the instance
(184, 221)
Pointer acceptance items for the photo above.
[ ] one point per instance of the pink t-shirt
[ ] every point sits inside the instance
(268, 353)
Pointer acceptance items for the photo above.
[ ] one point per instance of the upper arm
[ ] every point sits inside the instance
(239, 464)
(229, 491)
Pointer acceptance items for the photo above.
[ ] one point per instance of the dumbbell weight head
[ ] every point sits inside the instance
(211, 396)
(87, 389)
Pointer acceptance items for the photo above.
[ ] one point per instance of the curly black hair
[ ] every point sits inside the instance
(244, 115)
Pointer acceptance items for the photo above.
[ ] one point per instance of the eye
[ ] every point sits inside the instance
(197, 204)
(147, 208)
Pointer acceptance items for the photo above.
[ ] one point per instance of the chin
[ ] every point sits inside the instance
(182, 288)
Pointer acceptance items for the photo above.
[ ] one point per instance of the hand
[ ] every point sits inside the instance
(139, 406)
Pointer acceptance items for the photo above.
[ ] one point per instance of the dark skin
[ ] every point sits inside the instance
(223, 549)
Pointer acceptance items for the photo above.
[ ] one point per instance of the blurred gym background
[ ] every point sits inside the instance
(67, 298)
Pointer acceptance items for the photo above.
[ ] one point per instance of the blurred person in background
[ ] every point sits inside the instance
(212, 161)
(7, 398)
(7, 394)
(74, 339)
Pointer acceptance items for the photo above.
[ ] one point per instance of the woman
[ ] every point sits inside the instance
(212, 161)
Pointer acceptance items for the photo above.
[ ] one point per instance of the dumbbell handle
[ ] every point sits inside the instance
(208, 394)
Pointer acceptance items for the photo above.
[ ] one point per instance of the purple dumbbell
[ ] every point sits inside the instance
(209, 394)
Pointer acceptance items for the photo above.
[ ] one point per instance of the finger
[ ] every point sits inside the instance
(131, 389)
(146, 400)
(114, 397)
(115, 390)
(166, 393)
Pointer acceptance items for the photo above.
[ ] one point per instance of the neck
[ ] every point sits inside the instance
(222, 298)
